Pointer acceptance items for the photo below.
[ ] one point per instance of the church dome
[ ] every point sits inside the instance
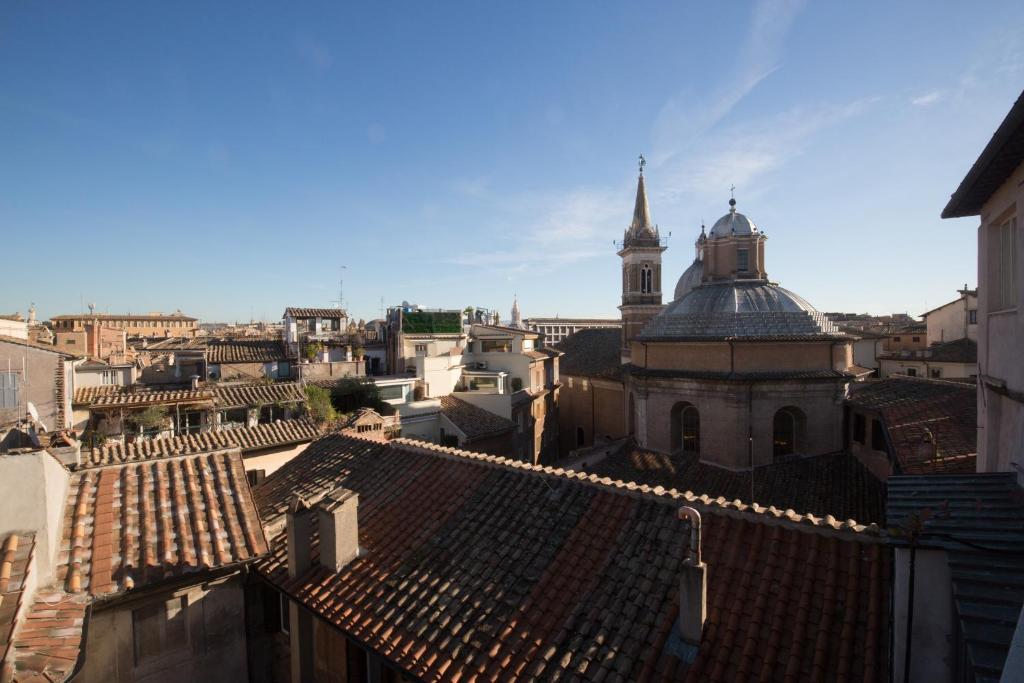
(732, 223)
(738, 309)
(689, 279)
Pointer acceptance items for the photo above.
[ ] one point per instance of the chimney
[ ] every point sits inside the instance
(195, 381)
(693, 584)
(300, 536)
(339, 528)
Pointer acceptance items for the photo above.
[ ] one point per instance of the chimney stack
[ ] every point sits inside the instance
(300, 536)
(693, 584)
(339, 528)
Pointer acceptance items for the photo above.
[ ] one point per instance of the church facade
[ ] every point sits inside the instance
(735, 369)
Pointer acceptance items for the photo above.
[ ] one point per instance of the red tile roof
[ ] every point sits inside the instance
(914, 409)
(47, 646)
(258, 394)
(481, 567)
(270, 435)
(135, 399)
(15, 559)
(473, 421)
(144, 522)
(292, 312)
(834, 484)
(244, 351)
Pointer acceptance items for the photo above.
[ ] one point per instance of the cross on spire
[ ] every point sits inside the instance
(643, 162)
(732, 192)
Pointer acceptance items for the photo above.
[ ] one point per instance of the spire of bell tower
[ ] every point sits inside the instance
(641, 225)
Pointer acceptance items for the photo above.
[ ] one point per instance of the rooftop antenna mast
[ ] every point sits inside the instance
(341, 288)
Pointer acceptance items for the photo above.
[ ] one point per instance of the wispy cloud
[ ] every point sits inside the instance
(744, 153)
(686, 117)
(928, 99)
(567, 228)
(471, 187)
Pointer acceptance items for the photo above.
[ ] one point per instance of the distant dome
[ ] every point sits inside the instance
(732, 223)
(738, 309)
(689, 279)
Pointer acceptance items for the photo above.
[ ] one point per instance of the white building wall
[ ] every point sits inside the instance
(1001, 336)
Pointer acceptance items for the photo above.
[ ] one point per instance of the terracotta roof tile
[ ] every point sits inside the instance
(279, 433)
(144, 522)
(244, 351)
(592, 353)
(473, 421)
(47, 643)
(237, 395)
(315, 312)
(835, 484)
(88, 395)
(479, 567)
(916, 409)
(15, 560)
(132, 399)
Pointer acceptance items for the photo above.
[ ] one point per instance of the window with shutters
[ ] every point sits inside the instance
(1004, 291)
(9, 390)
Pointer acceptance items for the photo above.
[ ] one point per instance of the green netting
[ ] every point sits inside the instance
(425, 322)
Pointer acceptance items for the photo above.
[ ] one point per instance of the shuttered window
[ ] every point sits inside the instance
(8, 390)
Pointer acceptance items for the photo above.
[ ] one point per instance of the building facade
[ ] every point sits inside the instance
(993, 190)
(175, 324)
(554, 330)
(957, 319)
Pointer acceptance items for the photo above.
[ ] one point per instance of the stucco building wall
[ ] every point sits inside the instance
(731, 413)
(594, 406)
(43, 379)
(1001, 403)
(203, 639)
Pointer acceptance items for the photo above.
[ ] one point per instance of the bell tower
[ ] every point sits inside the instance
(640, 252)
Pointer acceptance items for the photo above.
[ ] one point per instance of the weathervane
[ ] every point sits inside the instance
(643, 162)
(732, 192)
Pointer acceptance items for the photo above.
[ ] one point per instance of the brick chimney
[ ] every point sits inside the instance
(693, 584)
(338, 514)
(300, 536)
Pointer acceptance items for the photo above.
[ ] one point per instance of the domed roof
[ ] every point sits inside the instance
(732, 223)
(689, 279)
(738, 309)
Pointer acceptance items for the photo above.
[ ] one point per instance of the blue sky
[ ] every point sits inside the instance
(229, 158)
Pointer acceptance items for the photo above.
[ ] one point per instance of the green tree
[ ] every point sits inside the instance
(318, 402)
(153, 417)
(352, 393)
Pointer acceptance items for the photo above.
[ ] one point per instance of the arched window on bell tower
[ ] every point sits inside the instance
(646, 281)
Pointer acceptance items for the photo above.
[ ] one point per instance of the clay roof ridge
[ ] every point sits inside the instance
(720, 505)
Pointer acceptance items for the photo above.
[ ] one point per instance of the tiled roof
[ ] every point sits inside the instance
(473, 421)
(261, 436)
(168, 344)
(225, 395)
(88, 395)
(48, 642)
(15, 558)
(979, 520)
(244, 351)
(480, 567)
(734, 376)
(39, 639)
(914, 410)
(835, 484)
(134, 399)
(144, 522)
(592, 353)
(291, 312)
(35, 345)
(234, 395)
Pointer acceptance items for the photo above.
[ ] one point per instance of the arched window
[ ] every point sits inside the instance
(646, 280)
(685, 428)
(579, 437)
(787, 431)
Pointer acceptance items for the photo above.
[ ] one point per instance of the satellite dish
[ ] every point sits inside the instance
(33, 413)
